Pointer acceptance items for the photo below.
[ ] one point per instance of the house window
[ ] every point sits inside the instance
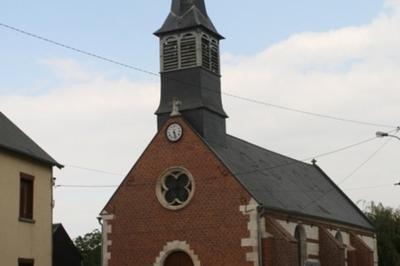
(300, 235)
(175, 188)
(26, 197)
(26, 262)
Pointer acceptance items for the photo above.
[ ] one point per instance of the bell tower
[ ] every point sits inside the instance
(190, 69)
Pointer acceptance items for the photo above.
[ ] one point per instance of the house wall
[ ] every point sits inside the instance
(214, 228)
(22, 239)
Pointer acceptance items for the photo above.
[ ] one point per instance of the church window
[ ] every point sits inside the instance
(300, 235)
(339, 237)
(206, 53)
(214, 56)
(175, 188)
(170, 54)
(188, 51)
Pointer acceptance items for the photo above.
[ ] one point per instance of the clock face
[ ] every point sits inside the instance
(174, 132)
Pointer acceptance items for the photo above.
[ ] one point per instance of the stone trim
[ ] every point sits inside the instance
(160, 184)
(106, 230)
(174, 246)
(252, 226)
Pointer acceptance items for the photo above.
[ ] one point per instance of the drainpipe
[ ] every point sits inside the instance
(260, 213)
(99, 219)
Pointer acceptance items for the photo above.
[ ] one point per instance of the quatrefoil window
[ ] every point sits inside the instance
(175, 188)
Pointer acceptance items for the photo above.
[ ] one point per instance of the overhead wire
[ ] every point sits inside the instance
(351, 174)
(135, 68)
(59, 44)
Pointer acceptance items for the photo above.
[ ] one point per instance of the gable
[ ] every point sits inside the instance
(190, 153)
(284, 184)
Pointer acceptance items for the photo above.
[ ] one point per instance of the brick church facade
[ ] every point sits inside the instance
(198, 196)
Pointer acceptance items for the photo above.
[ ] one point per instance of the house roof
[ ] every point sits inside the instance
(185, 15)
(56, 227)
(281, 183)
(14, 139)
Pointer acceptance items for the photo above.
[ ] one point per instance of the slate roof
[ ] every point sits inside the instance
(284, 184)
(187, 14)
(14, 139)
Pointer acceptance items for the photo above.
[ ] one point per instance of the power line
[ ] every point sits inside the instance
(114, 186)
(93, 170)
(246, 172)
(364, 162)
(99, 57)
(77, 50)
(308, 113)
(352, 173)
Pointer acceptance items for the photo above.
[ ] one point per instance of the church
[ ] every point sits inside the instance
(198, 196)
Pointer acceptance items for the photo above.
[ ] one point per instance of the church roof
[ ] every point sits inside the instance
(284, 184)
(14, 139)
(186, 14)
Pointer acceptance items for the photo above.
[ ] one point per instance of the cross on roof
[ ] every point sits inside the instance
(176, 103)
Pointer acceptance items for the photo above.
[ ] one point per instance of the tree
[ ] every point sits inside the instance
(90, 247)
(387, 224)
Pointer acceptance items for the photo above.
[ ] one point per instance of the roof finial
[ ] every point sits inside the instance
(314, 161)
(176, 103)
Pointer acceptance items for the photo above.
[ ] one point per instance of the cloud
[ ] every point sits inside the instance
(102, 123)
(66, 69)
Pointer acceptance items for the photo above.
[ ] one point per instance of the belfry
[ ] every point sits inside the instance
(190, 69)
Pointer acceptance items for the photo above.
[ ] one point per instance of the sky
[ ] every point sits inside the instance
(339, 58)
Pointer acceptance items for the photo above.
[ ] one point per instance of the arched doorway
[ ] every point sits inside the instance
(178, 258)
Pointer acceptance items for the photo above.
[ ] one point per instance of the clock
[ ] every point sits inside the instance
(174, 132)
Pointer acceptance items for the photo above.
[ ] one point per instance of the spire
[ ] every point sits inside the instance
(186, 14)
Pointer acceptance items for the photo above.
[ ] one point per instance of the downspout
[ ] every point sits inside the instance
(99, 219)
(260, 213)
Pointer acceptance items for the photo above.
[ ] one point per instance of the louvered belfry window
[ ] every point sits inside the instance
(188, 51)
(170, 54)
(205, 49)
(214, 56)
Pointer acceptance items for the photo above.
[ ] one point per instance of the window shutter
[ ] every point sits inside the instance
(205, 47)
(214, 56)
(170, 54)
(188, 51)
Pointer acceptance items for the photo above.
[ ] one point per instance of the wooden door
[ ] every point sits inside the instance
(178, 259)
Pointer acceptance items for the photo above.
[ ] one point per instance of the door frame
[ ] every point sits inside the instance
(175, 246)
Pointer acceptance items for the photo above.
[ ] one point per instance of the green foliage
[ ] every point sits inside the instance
(387, 223)
(90, 247)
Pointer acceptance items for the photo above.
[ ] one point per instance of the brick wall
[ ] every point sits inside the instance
(281, 248)
(363, 255)
(331, 252)
(211, 223)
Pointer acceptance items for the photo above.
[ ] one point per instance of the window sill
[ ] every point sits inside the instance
(26, 220)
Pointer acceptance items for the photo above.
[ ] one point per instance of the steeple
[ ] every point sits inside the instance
(190, 69)
(186, 14)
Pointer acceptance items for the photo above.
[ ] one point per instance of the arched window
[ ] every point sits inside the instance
(188, 51)
(170, 54)
(300, 235)
(339, 237)
(206, 51)
(215, 56)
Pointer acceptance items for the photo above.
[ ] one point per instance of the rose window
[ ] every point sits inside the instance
(175, 189)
